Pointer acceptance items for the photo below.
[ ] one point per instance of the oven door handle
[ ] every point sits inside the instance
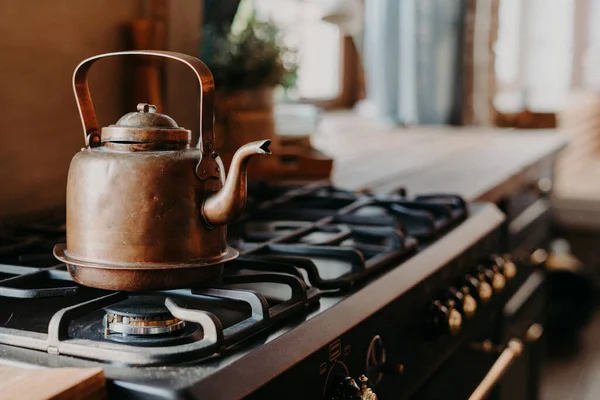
(513, 350)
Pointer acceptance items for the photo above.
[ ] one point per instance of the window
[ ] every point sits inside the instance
(591, 72)
(534, 54)
(319, 45)
(508, 44)
(549, 53)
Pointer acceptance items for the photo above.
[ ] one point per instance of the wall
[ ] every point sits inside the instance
(41, 42)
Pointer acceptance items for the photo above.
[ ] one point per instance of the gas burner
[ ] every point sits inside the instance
(140, 316)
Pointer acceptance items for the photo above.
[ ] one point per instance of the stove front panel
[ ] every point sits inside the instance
(397, 348)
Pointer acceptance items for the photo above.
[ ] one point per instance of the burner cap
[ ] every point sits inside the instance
(140, 315)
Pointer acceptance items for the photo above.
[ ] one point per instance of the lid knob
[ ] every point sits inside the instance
(147, 108)
(147, 126)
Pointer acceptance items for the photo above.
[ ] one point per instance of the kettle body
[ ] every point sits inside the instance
(145, 209)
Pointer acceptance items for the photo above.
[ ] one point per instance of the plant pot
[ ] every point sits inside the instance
(247, 115)
(244, 116)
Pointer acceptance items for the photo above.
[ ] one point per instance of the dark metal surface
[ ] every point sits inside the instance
(423, 217)
(144, 210)
(263, 315)
(77, 330)
(302, 340)
(393, 305)
(28, 283)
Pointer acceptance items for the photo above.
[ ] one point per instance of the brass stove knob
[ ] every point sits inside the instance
(485, 292)
(465, 302)
(454, 321)
(498, 281)
(365, 392)
(479, 288)
(504, 265)
(509, 269)
(469, 305)
(493, 276)
(444, 318)
(347, 389)
(344, 388)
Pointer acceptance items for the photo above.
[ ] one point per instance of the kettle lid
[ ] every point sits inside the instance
(146, 126)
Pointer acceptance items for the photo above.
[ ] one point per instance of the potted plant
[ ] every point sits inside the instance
(247, 64)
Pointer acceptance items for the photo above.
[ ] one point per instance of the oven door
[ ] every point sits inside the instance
(500, 361)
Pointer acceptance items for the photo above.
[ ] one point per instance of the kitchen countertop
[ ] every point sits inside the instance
(479, 163)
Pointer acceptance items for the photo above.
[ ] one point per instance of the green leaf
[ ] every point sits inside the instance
(251, 57)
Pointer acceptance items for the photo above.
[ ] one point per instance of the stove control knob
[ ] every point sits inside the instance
(377, 363)
(509, 269)
(479, 288)
(465, 302)
(493, 276)
(365, 392)
(347, 389)
(344, 388)
(504, 265)
(444, 318)
(499, 280)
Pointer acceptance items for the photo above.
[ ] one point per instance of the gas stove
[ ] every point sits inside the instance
(330, 286)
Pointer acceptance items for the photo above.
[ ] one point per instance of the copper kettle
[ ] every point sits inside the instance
(145, 210)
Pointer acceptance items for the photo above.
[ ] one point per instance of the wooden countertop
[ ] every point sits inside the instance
(478, 163)
(52, 383)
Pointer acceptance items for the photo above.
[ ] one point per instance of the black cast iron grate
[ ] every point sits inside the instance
(236, 314)
(297, 243)
(341, 238)
(424, 217)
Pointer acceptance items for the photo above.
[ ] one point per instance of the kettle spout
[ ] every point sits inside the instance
(229, 203)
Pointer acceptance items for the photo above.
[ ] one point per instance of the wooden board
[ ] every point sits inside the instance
(52, 383)
(477, 163)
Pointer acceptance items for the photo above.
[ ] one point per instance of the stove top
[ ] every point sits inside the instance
(304, 250)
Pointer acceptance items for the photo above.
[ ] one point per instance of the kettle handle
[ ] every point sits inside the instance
(206, 141)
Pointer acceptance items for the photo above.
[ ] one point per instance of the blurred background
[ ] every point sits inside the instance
(333, 83)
